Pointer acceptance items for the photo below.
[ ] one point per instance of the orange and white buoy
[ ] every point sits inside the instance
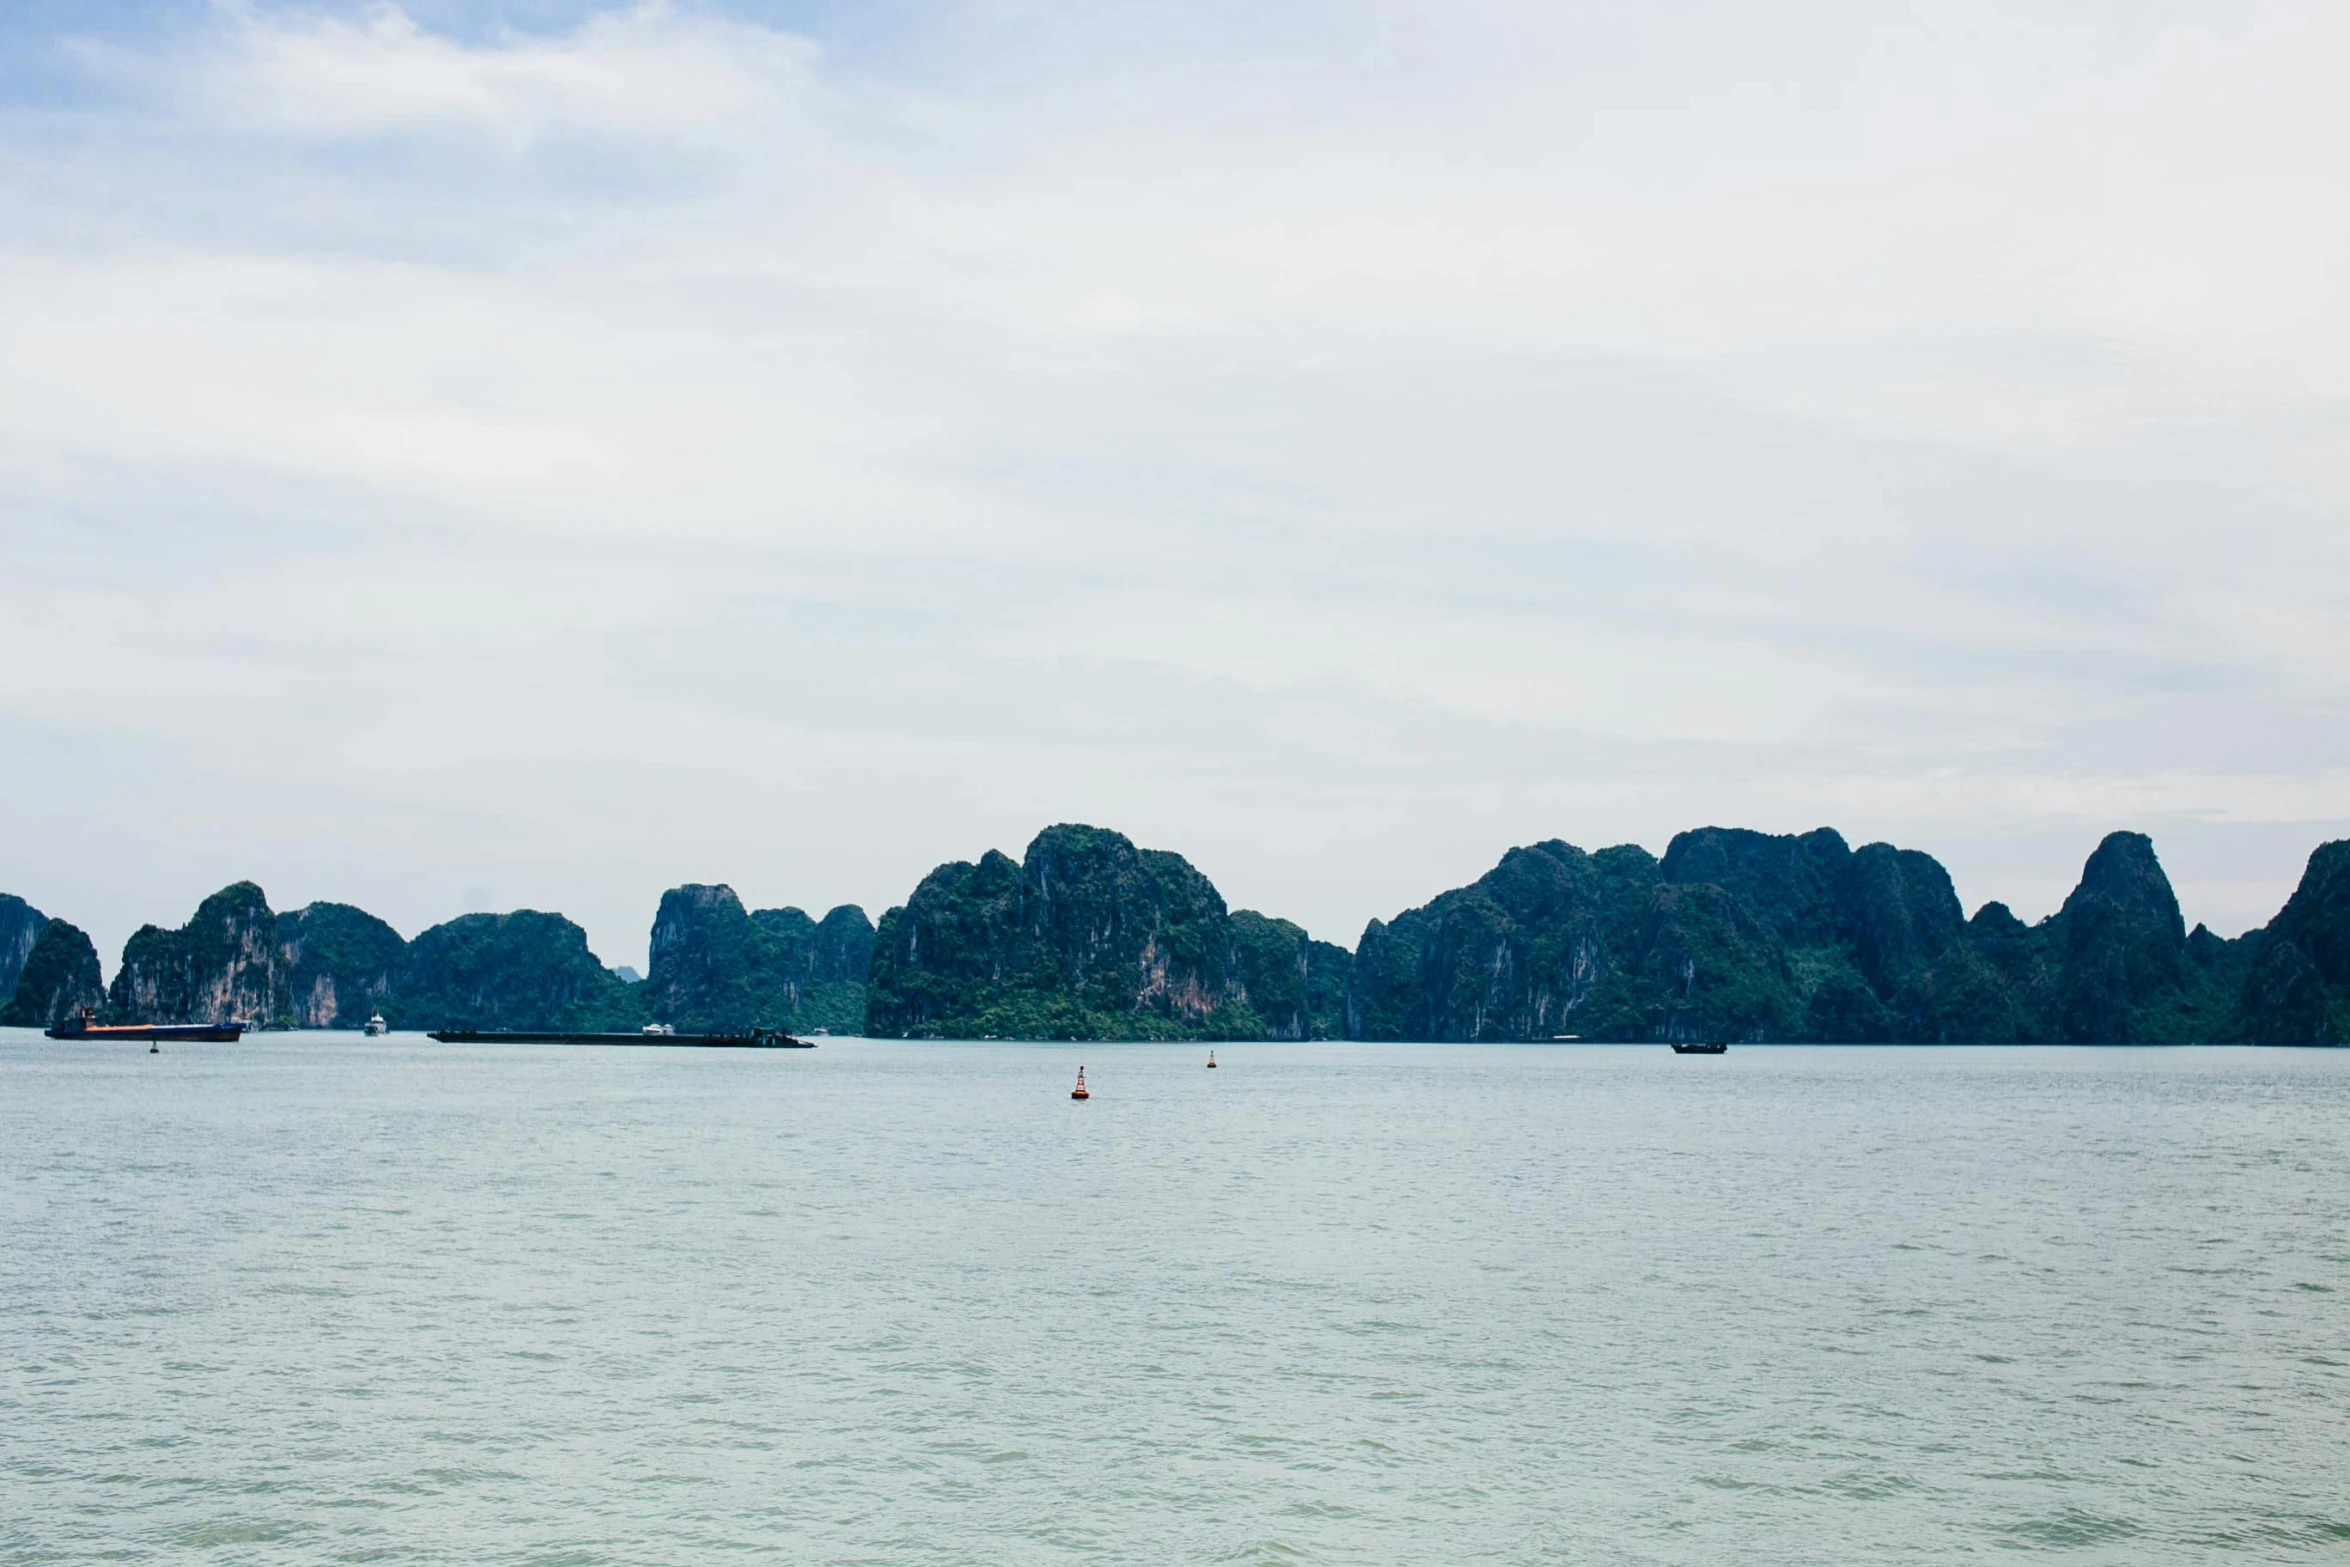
(1079, 1091)
(1211, 1060)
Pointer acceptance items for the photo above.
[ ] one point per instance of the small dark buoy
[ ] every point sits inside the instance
(1211, 1060)
(154, 1049)
(1079, 1091)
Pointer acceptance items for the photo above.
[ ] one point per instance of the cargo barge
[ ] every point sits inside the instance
(85, 1025)
(756, 1039)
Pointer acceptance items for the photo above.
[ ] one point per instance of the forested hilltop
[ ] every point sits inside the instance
(1089, 937)
(329, 965)
(1745, 936)
(1732, 935)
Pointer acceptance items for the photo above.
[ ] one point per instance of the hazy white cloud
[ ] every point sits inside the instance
(639, 71)
(1334, 444)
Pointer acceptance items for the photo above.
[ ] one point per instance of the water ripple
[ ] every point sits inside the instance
(319, 1299)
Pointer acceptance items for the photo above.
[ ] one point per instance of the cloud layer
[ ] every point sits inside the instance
(442, 463)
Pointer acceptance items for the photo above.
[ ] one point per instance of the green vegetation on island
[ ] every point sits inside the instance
(524, 970)
(331, 965)
(1732, 935)
(717, 968)
(2297, 990)
(20, 927)
(336, 966)
(1741, 935)
(1085, 937)
(1295, 984)
(58, 978)
(220, 966)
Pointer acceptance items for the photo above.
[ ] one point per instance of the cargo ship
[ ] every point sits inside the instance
(84, 1024)
(756, 1039)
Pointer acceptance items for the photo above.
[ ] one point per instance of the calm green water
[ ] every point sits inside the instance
(316, 1299)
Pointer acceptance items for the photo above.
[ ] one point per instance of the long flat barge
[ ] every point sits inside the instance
(756, 1039)
(209, 1033)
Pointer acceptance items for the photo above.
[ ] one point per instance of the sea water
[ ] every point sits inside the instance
(318, 1299)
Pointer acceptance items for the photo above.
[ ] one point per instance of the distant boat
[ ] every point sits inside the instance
(1079, 1091)
(376, 1026)
(756, 1039)
(84, 1024)
(1710, 1048)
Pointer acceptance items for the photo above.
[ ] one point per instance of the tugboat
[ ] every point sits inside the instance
(1712, 1047)
(84, 1024)
(376, 1027)
(1079, 1091)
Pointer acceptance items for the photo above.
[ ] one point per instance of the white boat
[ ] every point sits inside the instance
(376, 1025)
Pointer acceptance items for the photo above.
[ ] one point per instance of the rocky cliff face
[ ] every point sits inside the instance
(58, 977)
(708, 969)
(219, 967)
(1550, 941)
(1863, 931)
(2297, 985)
(1733, 934)
(325, 966)
(717, 967)
(2128, 973)
(1295, 984)
(822, 965)
(1793, 884)
(336, 965)
(520, 970)
(1085, 937)
(840, 950)
(1711, 968)
(1746, 935)
(20, 927)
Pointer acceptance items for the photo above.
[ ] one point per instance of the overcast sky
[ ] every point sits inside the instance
(476, 456)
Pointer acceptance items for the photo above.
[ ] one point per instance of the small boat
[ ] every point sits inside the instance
(1211, 1060)
(1079, 1091)
(376, 1027)
(1712, 1047)
(756, 1039)
(84, 1024)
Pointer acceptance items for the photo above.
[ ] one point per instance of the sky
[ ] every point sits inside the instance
(487, 455)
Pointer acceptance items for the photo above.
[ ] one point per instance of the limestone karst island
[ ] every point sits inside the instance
(1731, 935)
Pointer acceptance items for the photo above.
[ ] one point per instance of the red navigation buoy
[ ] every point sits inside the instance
(1079, 1091)
(1211, 1060)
